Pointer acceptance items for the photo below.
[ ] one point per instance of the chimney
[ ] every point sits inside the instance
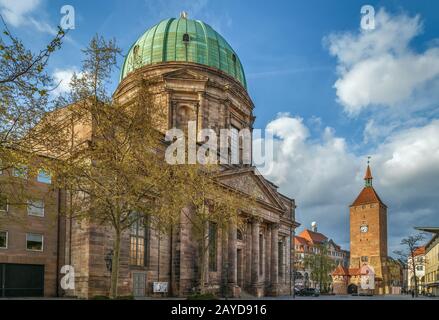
(314, 226)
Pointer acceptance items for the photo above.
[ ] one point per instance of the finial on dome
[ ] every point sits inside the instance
(183, 15)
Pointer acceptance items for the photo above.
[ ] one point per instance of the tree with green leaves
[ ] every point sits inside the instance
(113, 161)
(24, 101)
(212, 208)
(321, 266)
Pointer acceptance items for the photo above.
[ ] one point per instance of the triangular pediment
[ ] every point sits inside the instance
(184, 74)
(250, 183)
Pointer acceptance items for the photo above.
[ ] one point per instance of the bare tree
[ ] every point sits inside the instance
(412, 243)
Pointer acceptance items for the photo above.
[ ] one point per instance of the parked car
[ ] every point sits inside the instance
(309, 292)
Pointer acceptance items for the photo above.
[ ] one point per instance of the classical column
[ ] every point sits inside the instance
(268, 257)
(233, 276)
(255, 256)
(274, 259)
(232, 262)
(248, 255)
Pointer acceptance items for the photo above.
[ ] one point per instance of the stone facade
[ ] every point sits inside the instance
(255, 259)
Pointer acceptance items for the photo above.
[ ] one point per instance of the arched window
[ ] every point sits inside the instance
(184, 115)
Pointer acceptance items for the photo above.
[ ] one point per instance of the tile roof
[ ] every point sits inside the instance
(313, 237)
(354, 271)
(300, 240)
(366, 196)
(419, 251)
(340, 271)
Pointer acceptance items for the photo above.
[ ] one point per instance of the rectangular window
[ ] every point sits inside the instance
(364, 259)
(20, 172)
(34, 242)
(137, 242)
(3, 203)
(213, 233)
(44, 177)
(3, 239)
(234, 145)
(35, 208)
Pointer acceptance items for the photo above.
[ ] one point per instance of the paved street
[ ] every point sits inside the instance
(336, 297)
(349, 297)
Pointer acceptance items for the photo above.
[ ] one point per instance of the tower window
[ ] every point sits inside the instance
(186, 38)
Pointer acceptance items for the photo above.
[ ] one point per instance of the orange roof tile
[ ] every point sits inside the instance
(354, 271)
(367, 195)
(300, 240)
(340, 271)
(419, 251)
(313, 237)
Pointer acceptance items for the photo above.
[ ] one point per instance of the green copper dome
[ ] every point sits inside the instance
(184, 40)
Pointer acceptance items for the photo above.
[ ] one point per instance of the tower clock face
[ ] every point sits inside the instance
(364, 228)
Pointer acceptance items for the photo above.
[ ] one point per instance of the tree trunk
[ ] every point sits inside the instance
(202, 263)
(115, 266)
(414, 273)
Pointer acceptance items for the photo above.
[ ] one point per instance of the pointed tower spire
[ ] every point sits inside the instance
(368, 177)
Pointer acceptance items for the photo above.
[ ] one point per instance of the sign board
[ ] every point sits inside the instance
(160, 287)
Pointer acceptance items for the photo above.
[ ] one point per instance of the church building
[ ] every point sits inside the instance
(197, 77)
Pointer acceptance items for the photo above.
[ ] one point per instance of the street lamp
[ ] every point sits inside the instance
(109, 260)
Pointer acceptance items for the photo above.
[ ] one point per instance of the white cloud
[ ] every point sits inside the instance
(325, 176)
(62, 78)
(19, 13)
(15, 12)
(379, 68)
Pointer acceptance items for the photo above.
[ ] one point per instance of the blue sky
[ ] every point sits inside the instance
(301, 59)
